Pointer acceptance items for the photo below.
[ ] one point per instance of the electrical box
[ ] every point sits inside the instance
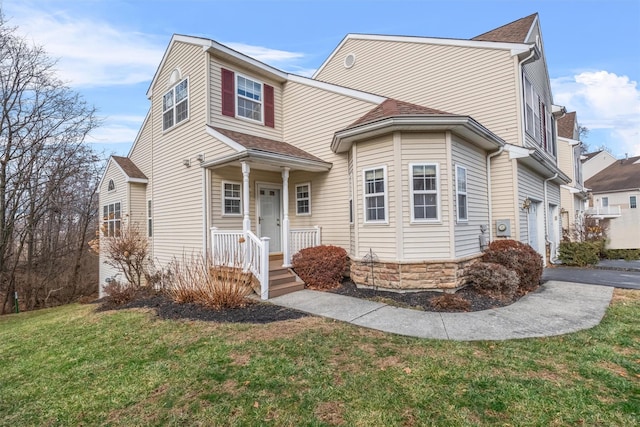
(503, 228)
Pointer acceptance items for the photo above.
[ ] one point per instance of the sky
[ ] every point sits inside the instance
(108, 50)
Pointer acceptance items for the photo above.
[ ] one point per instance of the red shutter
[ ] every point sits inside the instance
(228, 95)
(269, 108)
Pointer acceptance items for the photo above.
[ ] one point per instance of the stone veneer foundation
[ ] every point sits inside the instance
(412, 276)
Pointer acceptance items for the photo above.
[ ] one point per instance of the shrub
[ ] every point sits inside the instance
(194, 280)
(519, 257)
(320, 266)
(626, 254)
(127, 251)
(579, 253)
(450, 302)
(494, 280)
(118, 293)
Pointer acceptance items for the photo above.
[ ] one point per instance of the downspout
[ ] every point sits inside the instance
(552, 247)
(489, 157)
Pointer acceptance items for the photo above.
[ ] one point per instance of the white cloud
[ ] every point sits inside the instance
(116, 130)
(282, 59)
(90, 53)
(604, 101)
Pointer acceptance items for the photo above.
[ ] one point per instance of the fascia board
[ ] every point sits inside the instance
(225, 139)
(341, 90)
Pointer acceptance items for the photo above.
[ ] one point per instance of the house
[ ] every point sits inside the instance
(594, 162)
(412, 175)
(614, 197)
(573, 196)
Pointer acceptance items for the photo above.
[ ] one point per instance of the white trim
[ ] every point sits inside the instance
(237, 96)
(385, 195)
(224, 198)
(108, 220)
(137, 180)
(144, 123)
(340, 90)
(412, 193)
(514, 48)
(225, 139)
(465, 193)
(308, 198)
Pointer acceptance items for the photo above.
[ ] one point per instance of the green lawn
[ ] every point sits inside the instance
(71, 366)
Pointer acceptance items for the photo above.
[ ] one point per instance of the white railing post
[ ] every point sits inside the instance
(264, 269)
(213, 243)
(285, 223)
(318, 241)
(246, 221)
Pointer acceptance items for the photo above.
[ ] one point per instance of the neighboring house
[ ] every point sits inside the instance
(407, 151)
(592, 163)
(573, 196)
(614, 198)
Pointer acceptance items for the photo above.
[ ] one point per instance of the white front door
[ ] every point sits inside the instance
(269, 217)
(533, 226)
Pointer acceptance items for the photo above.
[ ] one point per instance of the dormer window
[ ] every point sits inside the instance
(175, 105)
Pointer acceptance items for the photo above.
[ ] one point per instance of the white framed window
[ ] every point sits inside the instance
(633, 202)
(528, 99)
(605, 202)
(461, 194)
(111, 186)
(149, 218)
(303, 199)
(425, 186)
(375, 195)
(231, 198)
(249, 98)
(111, 219)
(175, 105)
(539, 121)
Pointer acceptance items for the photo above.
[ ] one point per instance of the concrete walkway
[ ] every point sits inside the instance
(556, 308)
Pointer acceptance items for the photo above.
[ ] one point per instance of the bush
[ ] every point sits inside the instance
(519, 257)
(626, 254)
(320, 266)
(494, 280)
(579, 253)
(118, 293)
(450, 302)
(194, 280)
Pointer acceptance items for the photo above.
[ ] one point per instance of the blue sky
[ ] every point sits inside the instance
(108, 50)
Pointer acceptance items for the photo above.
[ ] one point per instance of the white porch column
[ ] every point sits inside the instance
(285, 223)
(246, 222)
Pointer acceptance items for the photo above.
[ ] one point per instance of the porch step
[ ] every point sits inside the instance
(285, 288)
(281, 280)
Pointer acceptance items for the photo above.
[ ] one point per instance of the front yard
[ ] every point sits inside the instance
(73, 366)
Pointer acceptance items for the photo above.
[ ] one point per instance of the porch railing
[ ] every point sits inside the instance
(301, 238)
(239, 248)
(604, 211)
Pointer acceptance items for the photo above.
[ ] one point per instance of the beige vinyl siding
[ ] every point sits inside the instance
(241, 124)
(177, 189)
(432, 240)
(530, 185)
(467, 233)
(478, 82)
(311, 118)
(138, 206)
(503, 192)
(624, 231)
(379, 237)
(119, 195)
(142, 152)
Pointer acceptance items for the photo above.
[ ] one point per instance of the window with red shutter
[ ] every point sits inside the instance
(269, 108)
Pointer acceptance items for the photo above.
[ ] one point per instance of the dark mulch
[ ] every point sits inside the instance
(165, 308)
(421, 300)
(259, 312)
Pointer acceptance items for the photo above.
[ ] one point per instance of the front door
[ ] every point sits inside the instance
(269, 217)
(533, 225)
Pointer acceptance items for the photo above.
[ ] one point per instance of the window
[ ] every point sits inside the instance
(175, 105)
(539, 121)
(375, 195)
(231, 192)
(111, 186)
(528, 97)
(461, 193)
(111, 218)
(633, 202)
(149, 218)
(424, 192)
(249, 94)
(605, 202)
(303, 199)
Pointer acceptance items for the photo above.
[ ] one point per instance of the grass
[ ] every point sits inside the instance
(72, 366)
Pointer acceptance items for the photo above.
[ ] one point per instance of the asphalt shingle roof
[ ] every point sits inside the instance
(129, 168)
(395, 108)
(620, 175)
(514, 32)
(566, 125)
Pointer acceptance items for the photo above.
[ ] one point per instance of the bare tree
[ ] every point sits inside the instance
(47, 175)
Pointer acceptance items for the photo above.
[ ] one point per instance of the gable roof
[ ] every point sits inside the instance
(566, 125)
(513, 32)
(589, 156)
(395, 108)
(253, 142)
(130, 170)
(619, 176)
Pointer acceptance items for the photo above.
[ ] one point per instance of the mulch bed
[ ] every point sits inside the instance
(260, 312)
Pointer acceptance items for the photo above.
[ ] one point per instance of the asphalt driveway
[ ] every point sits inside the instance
(600, 275)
